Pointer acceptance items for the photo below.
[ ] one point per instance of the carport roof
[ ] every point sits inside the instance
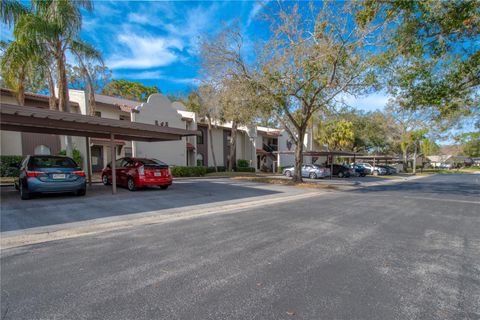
(321, 153)
(30, 119)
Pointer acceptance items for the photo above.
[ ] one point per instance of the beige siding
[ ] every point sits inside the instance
(11, 143)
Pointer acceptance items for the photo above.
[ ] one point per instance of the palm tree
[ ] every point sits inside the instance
(84, 53)
(53, 25)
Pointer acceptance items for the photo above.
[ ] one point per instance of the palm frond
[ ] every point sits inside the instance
(11, 11)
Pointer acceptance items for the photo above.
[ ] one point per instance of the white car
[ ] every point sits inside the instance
(372, 170)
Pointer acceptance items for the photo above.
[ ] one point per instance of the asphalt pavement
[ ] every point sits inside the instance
(407, 250)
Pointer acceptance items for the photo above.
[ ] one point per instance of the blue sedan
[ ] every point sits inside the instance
(50, 174)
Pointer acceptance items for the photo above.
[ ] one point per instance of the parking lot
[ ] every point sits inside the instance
(48, 210)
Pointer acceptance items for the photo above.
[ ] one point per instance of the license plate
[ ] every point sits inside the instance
(157, 174)
(58, 176)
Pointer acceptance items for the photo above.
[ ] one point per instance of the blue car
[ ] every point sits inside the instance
(50, 174)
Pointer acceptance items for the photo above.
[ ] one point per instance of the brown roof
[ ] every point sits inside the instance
(38, 120)
(32, 96)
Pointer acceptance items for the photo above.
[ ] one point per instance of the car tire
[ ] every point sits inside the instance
(340, 174)
(164, 187)
(81, 192)
(288, 173)
(105, 180)
(24, 194)
(131, 184)
(312, 175)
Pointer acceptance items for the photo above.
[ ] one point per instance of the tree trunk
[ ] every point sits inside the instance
(92, 105)
(52, 100)
(210, 135)
(297, 175)
(233, 146)
(415, 158)
(63, 99)
(21, 88)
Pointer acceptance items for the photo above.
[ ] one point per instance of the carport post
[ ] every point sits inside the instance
(112, 156)
(89, 162)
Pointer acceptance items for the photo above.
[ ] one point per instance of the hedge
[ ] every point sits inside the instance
(241, 163)
(220, 169)
(5, 165)
(248, 169)
(76, 156)
(179, 171)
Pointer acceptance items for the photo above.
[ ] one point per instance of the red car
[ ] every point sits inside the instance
(136, 173)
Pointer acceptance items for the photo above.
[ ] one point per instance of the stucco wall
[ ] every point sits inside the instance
(159, 108)
(11, 143)
(217, 134)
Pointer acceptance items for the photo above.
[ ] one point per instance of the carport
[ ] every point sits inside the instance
(329, 154)
(37, 120)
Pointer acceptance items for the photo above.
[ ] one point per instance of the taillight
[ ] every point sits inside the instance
(35, 173)
(141, 170)
(80, 173)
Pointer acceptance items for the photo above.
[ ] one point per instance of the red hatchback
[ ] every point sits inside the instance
(136, 173)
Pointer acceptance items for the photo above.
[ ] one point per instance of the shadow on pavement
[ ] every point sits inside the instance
(45, 210)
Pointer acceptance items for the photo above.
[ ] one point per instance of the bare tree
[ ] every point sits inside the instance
(205, 103)
(311, 61)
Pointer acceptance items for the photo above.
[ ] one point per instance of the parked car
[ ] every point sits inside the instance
(446, 165)
(358, 171)
(135, 173)
(388, 170)
(377, 170)
(312, 171)
(342, 171)
(49, 174)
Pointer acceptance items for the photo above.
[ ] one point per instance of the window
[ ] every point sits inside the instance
(200, 138)
(200, 160)
(98, 114)
(52, 162)
(42, 150)
(124, 117)
(128, 151)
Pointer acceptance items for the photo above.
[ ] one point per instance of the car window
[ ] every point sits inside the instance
(119, 163)
(53, 162)
(151, 161)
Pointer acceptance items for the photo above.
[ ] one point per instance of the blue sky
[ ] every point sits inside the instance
(156, 42)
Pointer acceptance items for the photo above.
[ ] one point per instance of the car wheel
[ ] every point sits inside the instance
(288, 173)
(312, 175)
(163, 187)
(340, 174)
(131, 184)
(81, 192)
(24, 194)
(105, 180)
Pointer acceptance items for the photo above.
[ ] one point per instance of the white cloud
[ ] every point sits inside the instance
(145, 52)
(371, 102)
(257, 7)
(142, 75)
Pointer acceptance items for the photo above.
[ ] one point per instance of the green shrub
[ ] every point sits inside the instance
(242, 169)
(5, 165)
(241, 163)
(77, 156)
(220, 169)
(180, 171)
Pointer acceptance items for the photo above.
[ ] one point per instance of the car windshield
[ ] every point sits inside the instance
(151, 162)
(53, 162)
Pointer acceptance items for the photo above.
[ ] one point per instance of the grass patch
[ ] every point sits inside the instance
(286, 182)
(452, 171)
(231, 174)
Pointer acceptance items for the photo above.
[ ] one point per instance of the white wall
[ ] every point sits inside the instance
(217, 134)
(159, 108)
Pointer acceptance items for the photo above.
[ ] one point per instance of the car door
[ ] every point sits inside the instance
(304, 171)
(120, 171)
